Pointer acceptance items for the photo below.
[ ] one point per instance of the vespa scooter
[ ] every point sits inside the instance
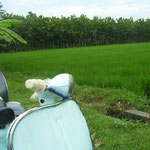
(57, 124)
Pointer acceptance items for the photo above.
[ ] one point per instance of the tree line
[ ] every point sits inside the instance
(52, 32)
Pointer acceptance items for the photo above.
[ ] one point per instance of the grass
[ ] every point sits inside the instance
(104, 76)
(117, 134)
(105, 100)
(116, 66)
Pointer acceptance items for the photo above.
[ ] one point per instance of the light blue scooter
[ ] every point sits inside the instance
(58, 124)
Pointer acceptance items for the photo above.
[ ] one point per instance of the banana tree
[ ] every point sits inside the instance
(7, 34)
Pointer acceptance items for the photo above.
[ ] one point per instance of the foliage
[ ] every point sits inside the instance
(7, 34)
(110, 101)
(130, 124)
(1, 10)
(52, 32)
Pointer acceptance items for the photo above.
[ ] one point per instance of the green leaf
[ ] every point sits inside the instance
(9, 22)
(4, 24)
(4, 35)
(2, 45)
(12, 21)
(14, 35)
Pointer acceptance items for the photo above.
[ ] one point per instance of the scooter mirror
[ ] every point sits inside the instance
(6, 116)
(3, 88)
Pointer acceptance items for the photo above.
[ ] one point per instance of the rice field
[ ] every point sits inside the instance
(124, 66)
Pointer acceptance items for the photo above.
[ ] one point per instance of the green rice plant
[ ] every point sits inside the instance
(123, 66)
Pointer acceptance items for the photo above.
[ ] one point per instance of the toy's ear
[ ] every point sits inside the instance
(34, 97)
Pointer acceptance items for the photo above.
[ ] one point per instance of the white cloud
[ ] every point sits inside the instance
(101, 8)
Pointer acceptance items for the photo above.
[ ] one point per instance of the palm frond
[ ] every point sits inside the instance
(4, 35)
(3, 45)
(13, 35)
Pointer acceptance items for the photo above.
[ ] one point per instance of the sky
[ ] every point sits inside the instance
(101, 8)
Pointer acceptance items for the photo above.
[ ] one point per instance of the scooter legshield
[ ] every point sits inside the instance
(51, 127)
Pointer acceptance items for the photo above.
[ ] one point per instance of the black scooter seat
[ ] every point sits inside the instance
(6, 116)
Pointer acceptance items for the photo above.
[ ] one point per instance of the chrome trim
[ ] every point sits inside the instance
(19, 118)
(8, 133)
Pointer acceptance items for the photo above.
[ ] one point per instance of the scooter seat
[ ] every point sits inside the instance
(6, 116)
(2, 103)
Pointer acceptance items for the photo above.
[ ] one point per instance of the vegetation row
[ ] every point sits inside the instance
(52, 32)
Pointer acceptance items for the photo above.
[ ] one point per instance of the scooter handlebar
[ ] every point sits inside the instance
(36, 85)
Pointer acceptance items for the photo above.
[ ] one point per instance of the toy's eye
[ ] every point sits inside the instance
(42, 100)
